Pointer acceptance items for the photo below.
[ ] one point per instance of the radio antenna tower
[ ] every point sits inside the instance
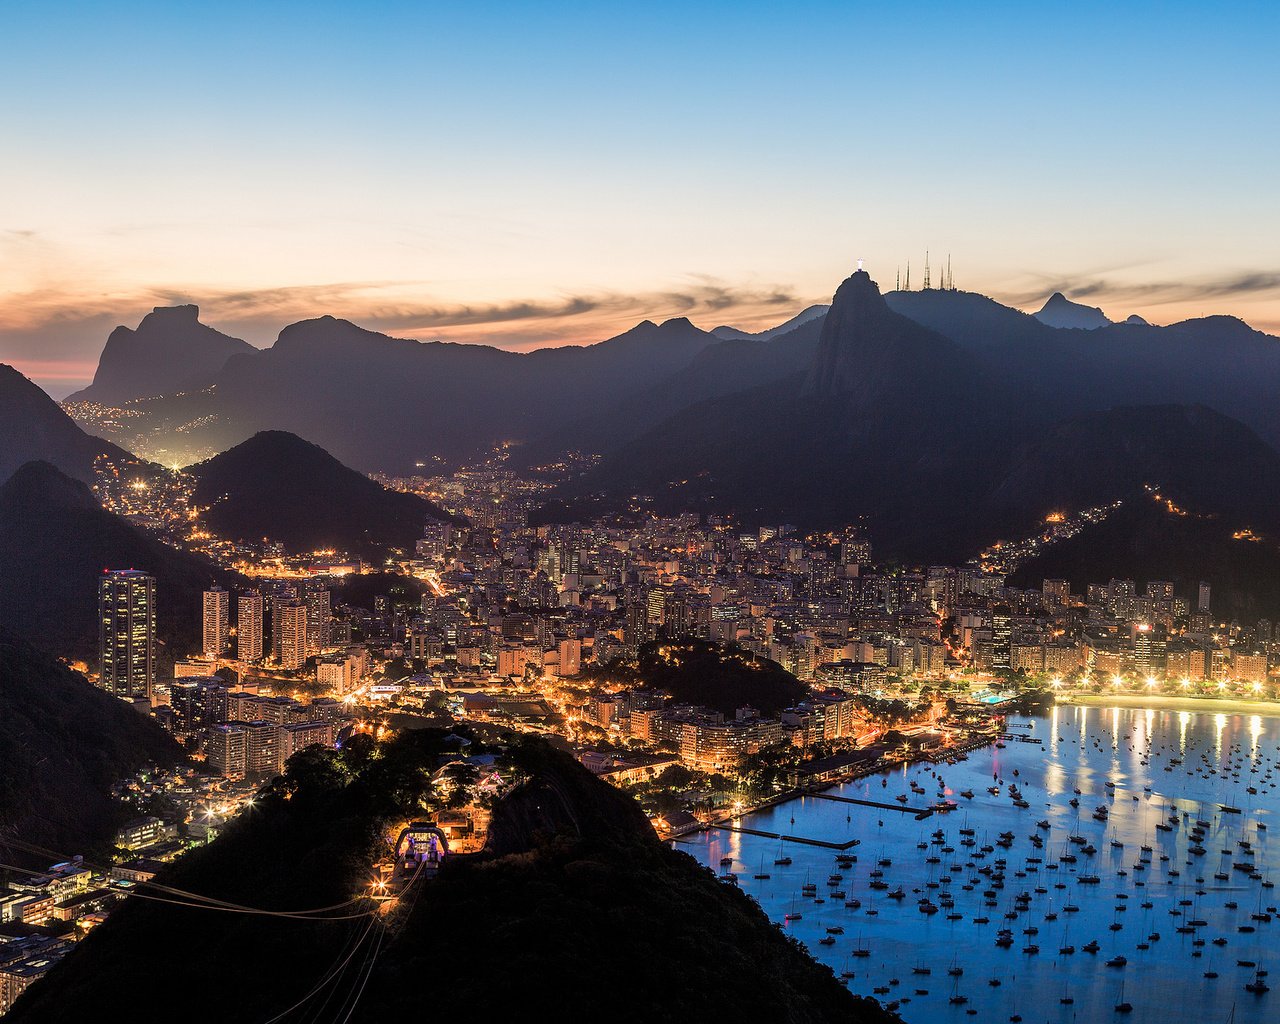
(926, 270)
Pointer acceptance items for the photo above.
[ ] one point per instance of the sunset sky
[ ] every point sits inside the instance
(531, 174)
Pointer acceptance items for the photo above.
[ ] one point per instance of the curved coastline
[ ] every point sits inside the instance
(1163, 702)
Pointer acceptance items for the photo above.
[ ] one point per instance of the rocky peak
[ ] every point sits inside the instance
(862, 339)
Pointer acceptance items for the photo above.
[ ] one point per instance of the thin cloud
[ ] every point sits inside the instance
(46, 326)
(383, 306)
(1238, 285)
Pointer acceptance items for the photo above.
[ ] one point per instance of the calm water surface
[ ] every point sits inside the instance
(1222, 757)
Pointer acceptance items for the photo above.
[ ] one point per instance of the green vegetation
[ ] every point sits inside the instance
(309, 842)
(575, 909)
(360, 590)
(55, 539)
(63, 745)
(579, 912)
(718, 676)
(277, 485)
(1141, 541)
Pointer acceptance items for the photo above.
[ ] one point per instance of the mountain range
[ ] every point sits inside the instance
(938, 448)
(387, 404)
(939, 418)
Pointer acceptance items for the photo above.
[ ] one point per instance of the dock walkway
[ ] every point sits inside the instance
(920, 812)
(787, 839)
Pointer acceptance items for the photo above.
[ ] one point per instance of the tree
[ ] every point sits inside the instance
(461, 777)
(675, 776)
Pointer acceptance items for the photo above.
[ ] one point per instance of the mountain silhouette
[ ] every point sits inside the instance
(64, 744)
(1059, 311)
(32, 426)
(866, 351)
(278, 486)
(171, 350)
(54, 541)
(396, 405)
(814, 312)
(392, 404)
(922, 439)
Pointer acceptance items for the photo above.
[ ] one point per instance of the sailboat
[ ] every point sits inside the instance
(1123, 1006)
(761, 875)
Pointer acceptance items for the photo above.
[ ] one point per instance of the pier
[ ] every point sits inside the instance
(920, 812)
(786, 839)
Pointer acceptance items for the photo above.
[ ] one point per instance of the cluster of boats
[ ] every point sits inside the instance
(1194, 867)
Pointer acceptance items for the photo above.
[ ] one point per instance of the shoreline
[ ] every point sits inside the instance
(799, 792)
(1162, 702)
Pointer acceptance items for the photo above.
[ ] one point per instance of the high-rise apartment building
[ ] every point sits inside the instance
(127, 633)
(215, 622)
(1001, 637)
(315, 594)
(290, 630)
(280, 594)
(226, 749)
(249, 626)
(1057, 593)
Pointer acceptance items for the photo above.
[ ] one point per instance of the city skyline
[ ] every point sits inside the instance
(753, 510)
(721, 168)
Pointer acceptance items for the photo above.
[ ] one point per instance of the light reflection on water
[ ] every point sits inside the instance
(1083, 749)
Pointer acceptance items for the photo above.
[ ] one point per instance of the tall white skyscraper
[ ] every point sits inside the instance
(216, 622)
(127, 632)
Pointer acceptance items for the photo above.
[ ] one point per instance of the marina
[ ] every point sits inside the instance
(1120, 865)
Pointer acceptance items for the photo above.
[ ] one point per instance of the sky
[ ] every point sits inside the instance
(549, 173)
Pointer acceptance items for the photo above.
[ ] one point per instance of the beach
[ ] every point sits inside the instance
(1163, 702)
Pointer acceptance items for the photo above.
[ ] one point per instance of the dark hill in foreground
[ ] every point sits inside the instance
(63, 744)
(576, 911)
(32, 426)
(55, 539)
(278, 486)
